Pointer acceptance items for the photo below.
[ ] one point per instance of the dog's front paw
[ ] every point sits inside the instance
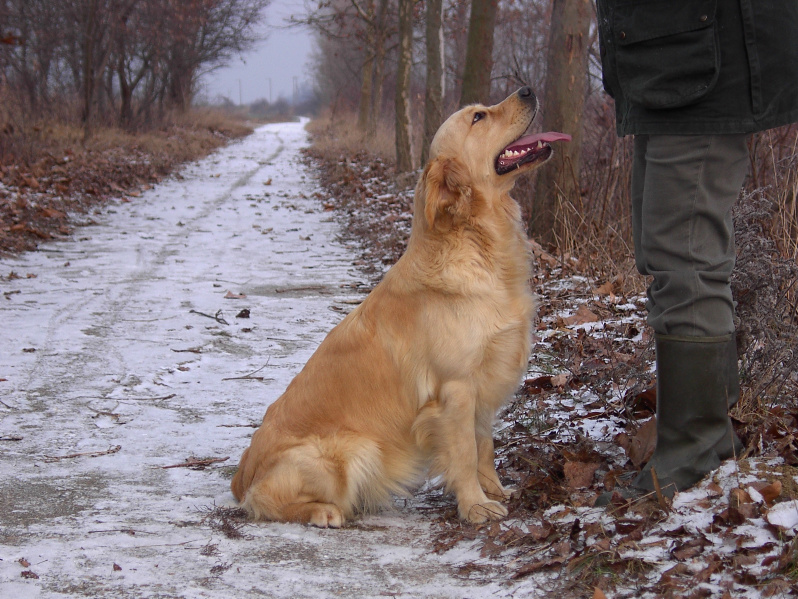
(503, 493)
(477, 513)
(494, 489)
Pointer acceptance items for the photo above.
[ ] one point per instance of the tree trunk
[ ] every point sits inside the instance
(433, 101)
(563, 105)
(479, 52)
(125, 96)
(89, 74)
(367, 72)
(404, 150)
(379, 65)
(366, 85)
(376, 100)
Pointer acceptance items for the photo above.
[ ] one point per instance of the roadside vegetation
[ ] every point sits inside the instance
(52, 179)
(73, 132)
(96, 101)
(584, 416)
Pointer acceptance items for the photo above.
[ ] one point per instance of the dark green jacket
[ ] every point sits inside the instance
(700, 66)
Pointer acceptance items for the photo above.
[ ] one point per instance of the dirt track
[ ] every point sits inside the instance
(127, 354)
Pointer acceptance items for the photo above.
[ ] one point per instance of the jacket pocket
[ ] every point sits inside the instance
(667, 52)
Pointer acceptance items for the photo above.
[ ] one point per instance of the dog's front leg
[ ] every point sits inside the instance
(460, 455)
(488, 478)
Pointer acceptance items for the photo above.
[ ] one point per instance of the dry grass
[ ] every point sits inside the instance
(336, 134)
(597, 240)
(49, 170)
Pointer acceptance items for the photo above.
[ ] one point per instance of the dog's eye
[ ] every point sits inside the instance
(478, 116)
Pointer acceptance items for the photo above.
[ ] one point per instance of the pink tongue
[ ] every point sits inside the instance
(530, 140)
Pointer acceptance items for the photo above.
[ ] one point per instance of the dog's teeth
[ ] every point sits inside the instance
(540, 145)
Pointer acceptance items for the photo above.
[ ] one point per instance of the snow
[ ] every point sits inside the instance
(127, 353)
(112, 354)
(785, 516)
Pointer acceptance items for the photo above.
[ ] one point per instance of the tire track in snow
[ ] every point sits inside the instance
(122, 361)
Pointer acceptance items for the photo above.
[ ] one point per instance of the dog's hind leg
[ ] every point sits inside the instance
(321, 481)
(323, 515)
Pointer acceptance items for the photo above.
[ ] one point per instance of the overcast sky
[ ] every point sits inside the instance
(281, 58)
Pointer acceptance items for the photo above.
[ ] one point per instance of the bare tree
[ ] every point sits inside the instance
(383, 33)
(404, 150)
(436, 75)
(563, 105)
(367, 71)
(363, 26)
(32, 32)
(204, 35)
(519, 48)
(479, 52)
(113, 54)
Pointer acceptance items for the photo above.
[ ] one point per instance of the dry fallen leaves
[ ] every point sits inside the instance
(583, 315)
(643, 443)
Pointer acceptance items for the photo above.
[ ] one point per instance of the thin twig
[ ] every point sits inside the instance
(90, 454)
(165, 397)
(658, 491)
(214, 317)
(248, 376)
(193, 463)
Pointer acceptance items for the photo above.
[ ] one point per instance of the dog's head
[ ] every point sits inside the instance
(478, 153)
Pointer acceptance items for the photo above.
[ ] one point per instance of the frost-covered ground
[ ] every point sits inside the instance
(112, 370)
(136, 361)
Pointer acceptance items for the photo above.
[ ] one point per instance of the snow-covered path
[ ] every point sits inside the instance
(111, 369)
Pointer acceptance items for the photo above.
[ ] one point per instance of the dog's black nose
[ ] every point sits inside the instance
(526, 94)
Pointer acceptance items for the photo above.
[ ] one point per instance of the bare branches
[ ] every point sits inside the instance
(131, 58)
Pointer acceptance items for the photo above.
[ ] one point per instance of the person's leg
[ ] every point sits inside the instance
(686, 239)
(638, 189)
(683, 189)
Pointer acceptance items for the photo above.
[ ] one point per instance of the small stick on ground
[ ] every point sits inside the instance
(660, 497)
(248, 376)
(165, 397)
(89, 454)
(196, 463)
(215, 317)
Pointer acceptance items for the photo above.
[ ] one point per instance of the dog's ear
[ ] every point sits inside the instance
(447, 193)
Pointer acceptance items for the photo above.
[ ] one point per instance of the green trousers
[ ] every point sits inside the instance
(683, 190)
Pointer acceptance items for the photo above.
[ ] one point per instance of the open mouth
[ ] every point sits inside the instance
(528, 149)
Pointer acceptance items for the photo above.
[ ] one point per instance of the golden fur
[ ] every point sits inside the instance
(411, 380)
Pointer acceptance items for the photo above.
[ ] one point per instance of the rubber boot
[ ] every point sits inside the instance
(697, 383)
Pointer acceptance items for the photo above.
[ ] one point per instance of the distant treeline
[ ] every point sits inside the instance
(123, 61)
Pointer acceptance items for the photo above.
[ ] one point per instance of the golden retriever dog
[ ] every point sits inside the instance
(410, 381)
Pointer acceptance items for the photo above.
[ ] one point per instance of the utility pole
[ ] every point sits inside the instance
(240, 102)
